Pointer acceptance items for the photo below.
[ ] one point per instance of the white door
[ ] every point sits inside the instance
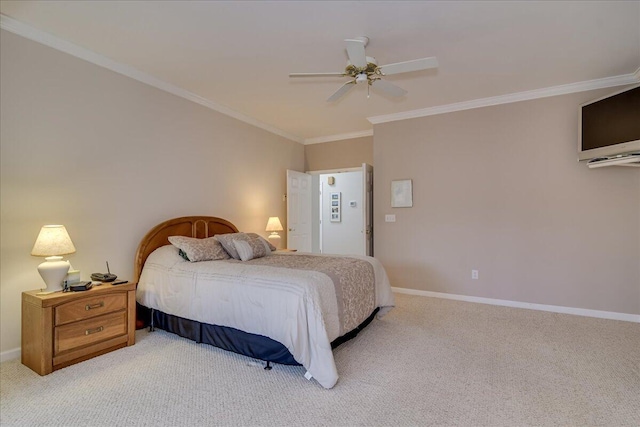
(342, 205)
(298, 211)
(367, 211)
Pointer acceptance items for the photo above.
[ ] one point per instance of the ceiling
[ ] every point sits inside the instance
(238, 55)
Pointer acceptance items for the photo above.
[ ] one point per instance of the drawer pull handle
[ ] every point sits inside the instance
(91, 307)
(93, 331)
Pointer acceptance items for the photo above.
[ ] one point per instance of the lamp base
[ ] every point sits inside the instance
(275, 239)
(53, 271)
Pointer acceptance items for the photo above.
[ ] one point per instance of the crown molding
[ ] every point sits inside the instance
(31, 33)
(34, 34)
(626, 79)
(338, 137)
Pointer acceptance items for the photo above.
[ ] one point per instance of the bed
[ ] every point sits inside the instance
(288, 308)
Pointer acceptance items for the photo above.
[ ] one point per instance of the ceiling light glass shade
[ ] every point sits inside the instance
(53, 242)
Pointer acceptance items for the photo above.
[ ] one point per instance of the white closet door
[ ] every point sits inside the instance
(298, 211)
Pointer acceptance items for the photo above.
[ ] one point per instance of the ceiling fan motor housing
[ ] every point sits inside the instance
(368, 71)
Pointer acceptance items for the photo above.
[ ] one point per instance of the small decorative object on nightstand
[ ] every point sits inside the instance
(63, 328)
(73, 276)
(274, 225)
(52, 242)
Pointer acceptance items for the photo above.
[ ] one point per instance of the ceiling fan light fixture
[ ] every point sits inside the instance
(365, 69)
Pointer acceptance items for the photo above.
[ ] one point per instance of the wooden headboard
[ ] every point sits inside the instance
(190, 226)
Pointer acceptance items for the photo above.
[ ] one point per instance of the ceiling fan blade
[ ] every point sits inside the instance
(355, 50)
(389, 88)
(342, 91)
(407, 66)
(317, 75)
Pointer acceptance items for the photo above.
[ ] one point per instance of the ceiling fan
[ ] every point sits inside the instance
(364, 69)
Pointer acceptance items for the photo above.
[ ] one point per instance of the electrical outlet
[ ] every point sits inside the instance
(474, 274)
(390, 218)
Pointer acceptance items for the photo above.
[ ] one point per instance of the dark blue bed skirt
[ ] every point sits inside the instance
(231, 339)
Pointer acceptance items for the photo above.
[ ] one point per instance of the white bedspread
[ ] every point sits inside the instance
(297, 308)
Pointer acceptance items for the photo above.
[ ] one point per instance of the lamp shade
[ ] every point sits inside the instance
(274, 224)
(53, 240)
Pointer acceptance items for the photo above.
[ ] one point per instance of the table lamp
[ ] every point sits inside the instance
(53, 242)
(274, 225)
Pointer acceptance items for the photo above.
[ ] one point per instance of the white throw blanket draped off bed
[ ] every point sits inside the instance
(295, 307)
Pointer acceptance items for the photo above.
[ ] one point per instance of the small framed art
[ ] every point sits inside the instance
(401, 193)
(335, 207)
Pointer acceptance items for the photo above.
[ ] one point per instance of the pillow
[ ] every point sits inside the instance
(228, 243)
(271, 247)
(199, 249)
(250, 249)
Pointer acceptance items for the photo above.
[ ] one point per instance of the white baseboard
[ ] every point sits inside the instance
(517, 304)
(15, 353)
(10, 354)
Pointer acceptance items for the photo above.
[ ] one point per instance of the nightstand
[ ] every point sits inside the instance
(61, 329)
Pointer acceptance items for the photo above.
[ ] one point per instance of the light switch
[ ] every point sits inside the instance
(390, 218)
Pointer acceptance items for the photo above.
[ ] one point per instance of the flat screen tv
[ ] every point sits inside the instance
(610, 126)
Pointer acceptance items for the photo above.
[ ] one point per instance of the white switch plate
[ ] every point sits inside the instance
(389, 218)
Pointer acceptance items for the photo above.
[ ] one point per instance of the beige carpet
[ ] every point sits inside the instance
(429, 362)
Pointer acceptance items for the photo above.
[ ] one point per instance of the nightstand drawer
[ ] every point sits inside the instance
(75, 335)
(90, 307)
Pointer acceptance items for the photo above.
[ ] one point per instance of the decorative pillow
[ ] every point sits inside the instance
(271, 247)
(228, 243)
(199, 249)
(226, 240)
(250, 249)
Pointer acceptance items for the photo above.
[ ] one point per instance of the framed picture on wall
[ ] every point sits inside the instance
(401, 193)
(335, 207)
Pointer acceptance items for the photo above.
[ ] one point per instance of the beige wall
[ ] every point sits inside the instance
(499, 190)
(347, 153)
(496, 189)
(109, 158)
